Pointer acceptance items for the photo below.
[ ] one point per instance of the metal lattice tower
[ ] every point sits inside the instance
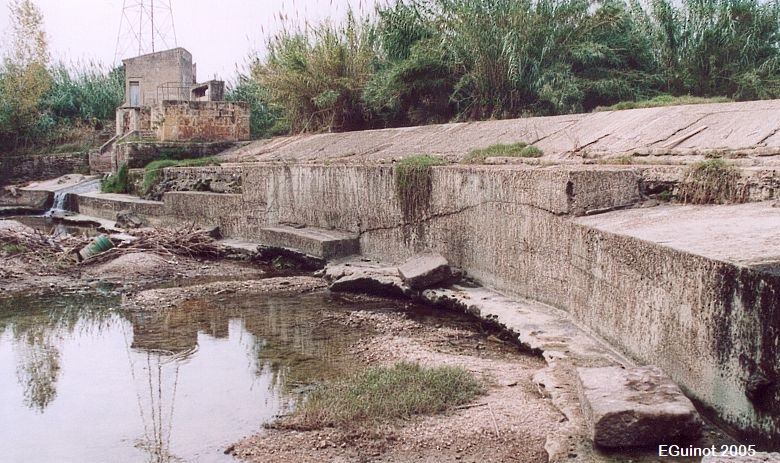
(145, 26)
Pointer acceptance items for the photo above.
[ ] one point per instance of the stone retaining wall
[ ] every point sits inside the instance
(15, 169)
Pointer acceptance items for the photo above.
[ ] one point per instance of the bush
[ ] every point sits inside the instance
(116, 183)
(316, 78)
(663, 100)
(265, 120)
(382, 394)
(423, 61)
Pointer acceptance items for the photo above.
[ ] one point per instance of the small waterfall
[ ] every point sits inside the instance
(60, 204)
(60, 201)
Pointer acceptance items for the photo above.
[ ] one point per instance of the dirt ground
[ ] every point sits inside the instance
(508, 424)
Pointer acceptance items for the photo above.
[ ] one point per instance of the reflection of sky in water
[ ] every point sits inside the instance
(95, 385)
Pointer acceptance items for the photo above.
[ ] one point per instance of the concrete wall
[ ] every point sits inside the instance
(155, 69)
(201, 120)
(711, 324)
(714, 326)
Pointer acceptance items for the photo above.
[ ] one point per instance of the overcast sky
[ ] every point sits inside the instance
(218, 33)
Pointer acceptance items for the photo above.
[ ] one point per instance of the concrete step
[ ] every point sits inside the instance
(318, 242)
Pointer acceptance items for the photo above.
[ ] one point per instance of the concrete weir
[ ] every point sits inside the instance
(694, 290)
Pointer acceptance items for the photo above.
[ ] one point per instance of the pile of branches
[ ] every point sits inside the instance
(40, 246)
(186, 241)
(182, 241)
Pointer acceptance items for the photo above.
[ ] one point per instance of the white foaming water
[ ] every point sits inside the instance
(60, 203)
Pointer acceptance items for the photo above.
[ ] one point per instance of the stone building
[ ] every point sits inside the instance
(164, 104)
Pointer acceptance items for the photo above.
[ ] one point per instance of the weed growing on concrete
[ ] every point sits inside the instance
(413, 183)
(515, 150)
(617, 161)
(116, 183)
(382, 394)
(152, 170)
(663, 100)
(711, 182)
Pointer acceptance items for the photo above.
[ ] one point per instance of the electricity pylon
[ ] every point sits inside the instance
(145, 26)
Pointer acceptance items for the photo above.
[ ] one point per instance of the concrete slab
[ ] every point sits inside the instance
(425, 270)
(318, 242)
(635, 407)
(746, 234)
(239, 245)
(120, 198)
(730, 126)
(367, 277)
(60, 183)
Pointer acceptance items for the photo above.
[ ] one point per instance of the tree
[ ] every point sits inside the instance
(24, 78)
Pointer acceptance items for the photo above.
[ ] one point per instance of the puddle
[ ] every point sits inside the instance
(81, 381)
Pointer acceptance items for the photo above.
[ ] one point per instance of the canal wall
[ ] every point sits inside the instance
(708, 318)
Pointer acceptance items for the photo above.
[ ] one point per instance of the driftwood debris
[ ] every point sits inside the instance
(187, 241)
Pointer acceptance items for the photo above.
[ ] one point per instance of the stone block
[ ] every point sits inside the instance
(318, 242)
(635, 407)
(366, 278)
(425, 270)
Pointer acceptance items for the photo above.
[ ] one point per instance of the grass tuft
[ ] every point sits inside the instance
(152, 170)
(515, 150)
(116, 183)
(382, 394)
(663, 100)
(413, 183)
(713, 181)
(13, 249)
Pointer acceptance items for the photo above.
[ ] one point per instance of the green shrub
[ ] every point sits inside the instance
(515, 150)
(316, 76)
(116, 183)
(265, 119)
(382, 394)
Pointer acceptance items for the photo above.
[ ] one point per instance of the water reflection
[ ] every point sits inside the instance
(81, 382)
(38, 336)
